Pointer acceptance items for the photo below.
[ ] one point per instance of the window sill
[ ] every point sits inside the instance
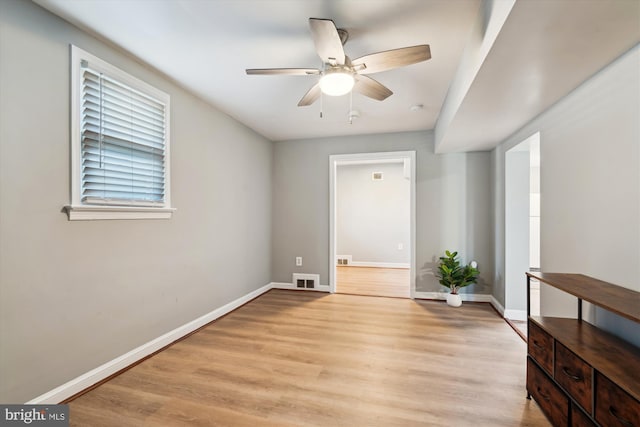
(87, 213)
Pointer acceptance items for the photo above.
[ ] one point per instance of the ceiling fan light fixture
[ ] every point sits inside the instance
(336, 82)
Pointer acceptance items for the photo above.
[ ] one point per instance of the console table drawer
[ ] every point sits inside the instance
(614, 406)
(575, 376)
(540, 346)
(579, 419)
(553, 402)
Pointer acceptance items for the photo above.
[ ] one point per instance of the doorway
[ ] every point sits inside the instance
(372, 224)
(522, 228)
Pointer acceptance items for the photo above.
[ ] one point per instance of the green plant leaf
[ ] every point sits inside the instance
(453, 275)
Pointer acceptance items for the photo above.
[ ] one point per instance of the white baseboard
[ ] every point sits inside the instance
(443, 296)
(496, 304)
(515, 314)
(505, 313)
(291, 287)
(379, 264)
(96, 375)
(508, 314)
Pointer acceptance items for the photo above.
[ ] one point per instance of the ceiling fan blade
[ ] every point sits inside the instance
(371, 88)
(389, 59)
(283, 71)
(327, 41)
(311, 96)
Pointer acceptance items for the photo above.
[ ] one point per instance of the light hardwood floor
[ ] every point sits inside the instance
(383, 282)
(307, 359)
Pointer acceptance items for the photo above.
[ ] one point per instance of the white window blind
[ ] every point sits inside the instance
(123, 137)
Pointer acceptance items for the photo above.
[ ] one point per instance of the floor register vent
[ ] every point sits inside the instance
(306, 281)
(344, 259)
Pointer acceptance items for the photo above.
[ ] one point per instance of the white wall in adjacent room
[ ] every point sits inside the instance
(372, 221)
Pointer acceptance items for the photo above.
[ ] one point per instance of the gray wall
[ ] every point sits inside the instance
(590, 187)
(74, 295)
(516, 229)
(452, 203)
(372, 217)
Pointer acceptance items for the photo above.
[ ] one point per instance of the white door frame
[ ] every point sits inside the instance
(364, 158)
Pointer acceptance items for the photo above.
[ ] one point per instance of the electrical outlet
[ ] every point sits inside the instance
(298, 261)
(400, 246)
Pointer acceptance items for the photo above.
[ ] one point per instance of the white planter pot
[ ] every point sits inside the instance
(454, 300)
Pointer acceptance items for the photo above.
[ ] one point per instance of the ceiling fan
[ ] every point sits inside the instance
(339, 74)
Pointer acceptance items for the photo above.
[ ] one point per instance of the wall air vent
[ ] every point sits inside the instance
(377, 176)
(344, 259)
(306, 281)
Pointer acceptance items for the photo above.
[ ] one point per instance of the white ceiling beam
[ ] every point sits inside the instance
(491, 17)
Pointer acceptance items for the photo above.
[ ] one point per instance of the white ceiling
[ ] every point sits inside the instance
(546, 49)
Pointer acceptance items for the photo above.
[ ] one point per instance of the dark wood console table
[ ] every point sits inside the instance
(579, 374)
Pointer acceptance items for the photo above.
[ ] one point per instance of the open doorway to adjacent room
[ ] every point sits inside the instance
(522, 229)
(372, 244)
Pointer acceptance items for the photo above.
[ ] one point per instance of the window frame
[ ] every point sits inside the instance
(77, 209)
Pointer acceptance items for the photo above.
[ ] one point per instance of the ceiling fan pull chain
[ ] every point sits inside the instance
(321, 103)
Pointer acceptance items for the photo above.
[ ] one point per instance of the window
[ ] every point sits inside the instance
(119, 144)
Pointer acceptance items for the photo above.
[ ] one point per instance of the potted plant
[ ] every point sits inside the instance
(455, 276)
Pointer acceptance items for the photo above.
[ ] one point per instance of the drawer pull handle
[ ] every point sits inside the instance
(570, 375)
(546, 396)
(536, 346)
(623, 421)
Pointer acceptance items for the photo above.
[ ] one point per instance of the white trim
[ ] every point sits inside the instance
(371, 158)
(443, 296)
(496, 304)
(96, 375)
(291, 287)
(76, 91)
(87, 212)
(375, 161)
(515, 314)
(379, 264)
